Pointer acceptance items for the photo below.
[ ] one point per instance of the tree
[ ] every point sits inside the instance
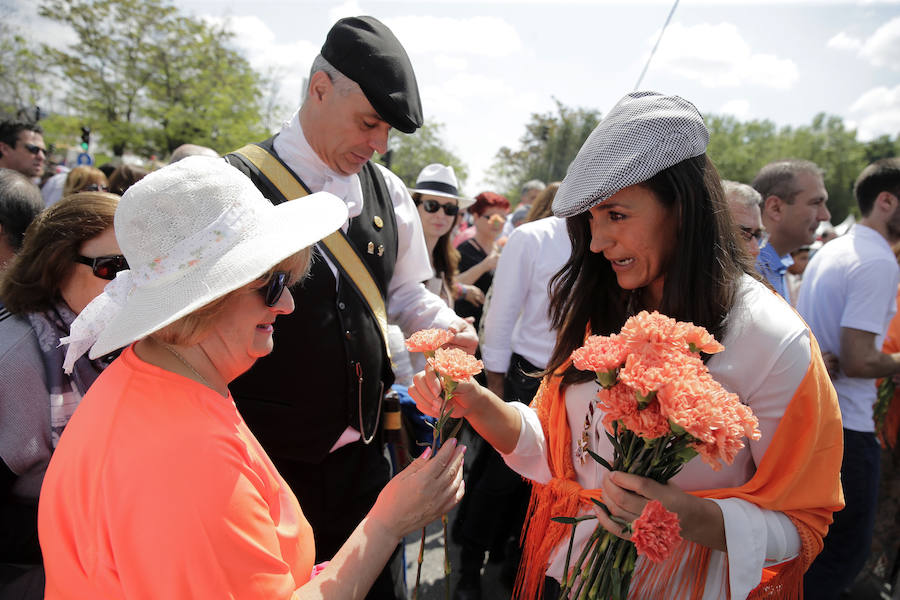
(409, 153)
(146, 78)
(550, 142)
(740, 149)
(23, 75)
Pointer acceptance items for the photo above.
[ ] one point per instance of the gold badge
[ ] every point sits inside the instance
(380, 249)
(378, 222)
(370, 248)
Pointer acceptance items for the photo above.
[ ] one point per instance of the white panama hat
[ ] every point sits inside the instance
(440, 180)
(192, 232)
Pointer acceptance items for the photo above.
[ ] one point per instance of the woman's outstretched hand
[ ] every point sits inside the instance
(428, 488)
(426, 391)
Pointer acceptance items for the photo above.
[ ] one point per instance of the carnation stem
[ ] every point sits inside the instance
(419, 566)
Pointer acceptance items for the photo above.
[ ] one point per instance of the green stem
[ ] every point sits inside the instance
(419, 566)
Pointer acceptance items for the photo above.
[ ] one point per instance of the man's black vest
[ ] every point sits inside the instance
(329, 368)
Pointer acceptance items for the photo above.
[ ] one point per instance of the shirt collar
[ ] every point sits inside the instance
(294, 149)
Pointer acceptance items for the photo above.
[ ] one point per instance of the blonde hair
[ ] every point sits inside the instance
(191, 328)
(81, 177)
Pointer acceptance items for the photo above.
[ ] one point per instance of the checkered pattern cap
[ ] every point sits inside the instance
(643, 134)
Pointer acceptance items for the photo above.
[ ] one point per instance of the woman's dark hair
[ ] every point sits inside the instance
(700, 284)
(124, 177)
(444, 257)
(32, 281)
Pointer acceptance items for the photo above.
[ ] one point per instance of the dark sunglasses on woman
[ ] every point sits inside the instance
(94, 187)
(104, 267)
(271, 291)
(432, 206)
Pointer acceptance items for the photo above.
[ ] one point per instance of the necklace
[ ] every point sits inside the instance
(187, 364)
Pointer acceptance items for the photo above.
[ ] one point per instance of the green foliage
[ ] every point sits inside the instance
(740, 149)
(148, 79)
(411, 152)
(550, 142)
(22, 73)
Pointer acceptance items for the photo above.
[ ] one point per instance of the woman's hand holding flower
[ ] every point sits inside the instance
(426, 391)
(626, 495)
(428, 488)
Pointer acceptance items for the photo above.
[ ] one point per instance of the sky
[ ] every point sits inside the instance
(484, 67)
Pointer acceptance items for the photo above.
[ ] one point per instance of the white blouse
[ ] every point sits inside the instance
(767, 354)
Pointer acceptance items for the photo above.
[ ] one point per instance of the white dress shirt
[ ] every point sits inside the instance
(409, 304)
(517, 319)
(767, 354)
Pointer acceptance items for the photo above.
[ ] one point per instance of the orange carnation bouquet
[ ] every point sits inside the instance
(451, 366)
(661, 408)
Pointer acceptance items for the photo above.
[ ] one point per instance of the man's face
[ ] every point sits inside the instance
(529, 197)
(801, 218)
(345, 130)
(893, 224)
(749, 223)
(27, 156)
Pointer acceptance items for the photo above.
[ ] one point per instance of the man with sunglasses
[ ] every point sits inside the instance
(743, 203)
(22, 148)
(315, 402)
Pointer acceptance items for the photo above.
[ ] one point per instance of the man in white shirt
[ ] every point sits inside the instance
(848, 299)
(518, 341)
(315, 402)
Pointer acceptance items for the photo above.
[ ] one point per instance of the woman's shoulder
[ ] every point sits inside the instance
(18, 341)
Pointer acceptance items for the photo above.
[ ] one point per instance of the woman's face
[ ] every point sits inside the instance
(490, 224)
(81, 285)
(242, 331)
(637, 235)
(437, 223)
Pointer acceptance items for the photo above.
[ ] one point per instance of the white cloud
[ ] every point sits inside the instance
(480, 36)
(883, 48)
(350, 8)
(718, 56)
(451, 63)
(842, 41)
(739, 108)
(877, 112)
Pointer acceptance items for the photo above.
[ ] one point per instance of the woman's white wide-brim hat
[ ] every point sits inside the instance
(194, 231)
(440, 180)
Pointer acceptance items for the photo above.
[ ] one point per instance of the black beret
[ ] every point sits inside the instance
(366, 51)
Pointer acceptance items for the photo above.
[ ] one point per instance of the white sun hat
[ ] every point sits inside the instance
(644, 134)
(192, 232)
(440, 180)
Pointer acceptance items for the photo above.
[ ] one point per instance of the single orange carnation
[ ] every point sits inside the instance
(455, 364)
(428, 340)
(600, 354)
(697, 338)
(656, 533)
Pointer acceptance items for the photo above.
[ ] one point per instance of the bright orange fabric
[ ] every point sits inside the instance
(797, 476)
(888, 434)
(158, 490)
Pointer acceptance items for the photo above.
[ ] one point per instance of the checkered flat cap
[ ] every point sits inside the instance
(643, 134)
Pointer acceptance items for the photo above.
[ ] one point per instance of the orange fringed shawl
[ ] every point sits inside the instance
(799, 476)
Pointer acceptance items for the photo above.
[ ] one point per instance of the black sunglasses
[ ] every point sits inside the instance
(274, 287)
(94, 187)
(35, 149)
(432, 206)
(104, 267)
(748, 234)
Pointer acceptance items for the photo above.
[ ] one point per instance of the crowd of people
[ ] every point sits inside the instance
(194, 361)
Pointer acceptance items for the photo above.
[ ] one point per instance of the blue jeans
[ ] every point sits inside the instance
(849, 538)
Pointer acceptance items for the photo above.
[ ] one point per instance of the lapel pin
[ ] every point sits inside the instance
(380, 249)
(379, 223)
(370, 248)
